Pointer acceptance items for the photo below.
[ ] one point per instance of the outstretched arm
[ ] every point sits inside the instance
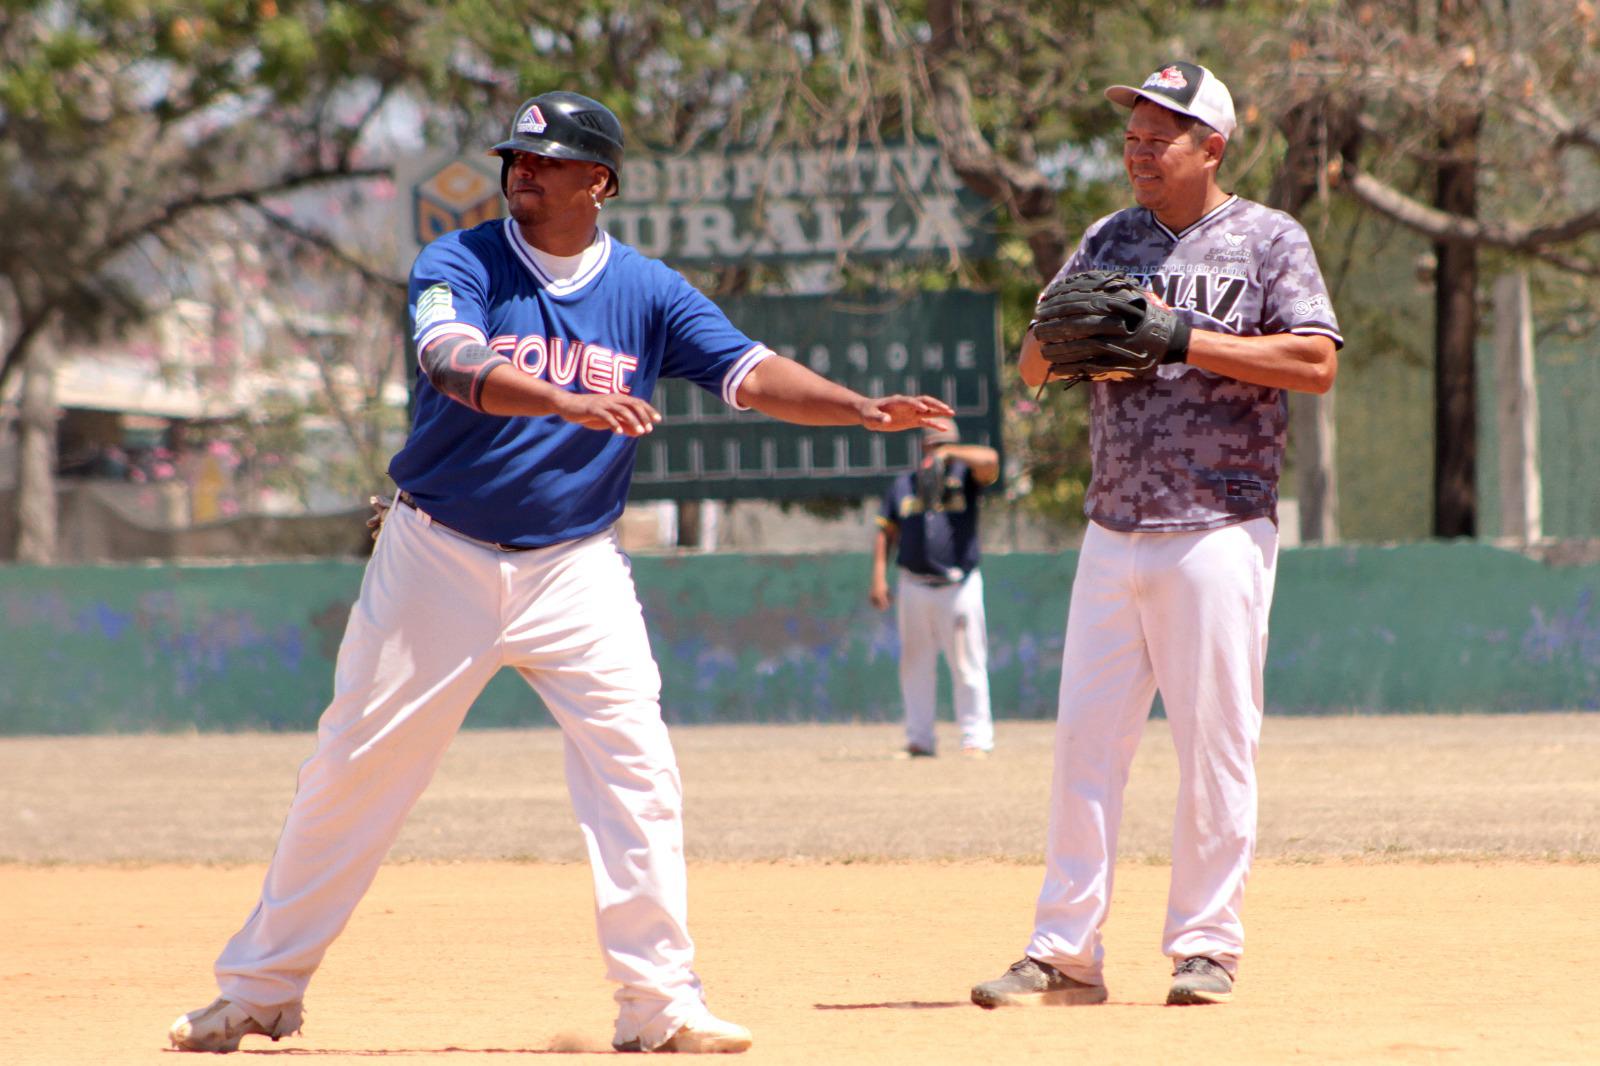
(785, 390)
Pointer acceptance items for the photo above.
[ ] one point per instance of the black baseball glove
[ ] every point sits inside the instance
(1100, 325)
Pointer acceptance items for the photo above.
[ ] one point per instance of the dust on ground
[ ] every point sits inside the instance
(1425, 893)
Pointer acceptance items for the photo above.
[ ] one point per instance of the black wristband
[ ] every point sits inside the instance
(1178, 348)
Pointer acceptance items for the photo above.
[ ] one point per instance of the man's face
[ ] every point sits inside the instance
(1166, 166)
(539, 188)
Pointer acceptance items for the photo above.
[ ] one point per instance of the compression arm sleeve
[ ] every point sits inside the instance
(458, 366)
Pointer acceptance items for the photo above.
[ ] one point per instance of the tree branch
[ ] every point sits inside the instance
(322, 241)
(176, 209)
(1442, 226)
(169, 215)
(1024, 190)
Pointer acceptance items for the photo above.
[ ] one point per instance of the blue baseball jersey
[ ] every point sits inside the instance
(937, 523)
(619, 326)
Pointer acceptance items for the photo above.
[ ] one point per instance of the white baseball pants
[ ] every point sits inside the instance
(1185, 613)
(438, 615)
(945, 619)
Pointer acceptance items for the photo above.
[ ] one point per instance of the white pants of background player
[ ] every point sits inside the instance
(944, 619)
(438, 615)
(1185, 613)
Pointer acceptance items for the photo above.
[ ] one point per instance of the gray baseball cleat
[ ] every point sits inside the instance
(220, 1026)
(708, 1036)
(1031, 983)
(1199, 980)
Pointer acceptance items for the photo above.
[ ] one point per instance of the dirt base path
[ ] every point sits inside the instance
(842, 963)
(1425, 892)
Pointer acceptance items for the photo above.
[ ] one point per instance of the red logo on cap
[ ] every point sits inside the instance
(1167, 78)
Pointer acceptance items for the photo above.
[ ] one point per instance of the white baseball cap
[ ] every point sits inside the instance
(1188, 89)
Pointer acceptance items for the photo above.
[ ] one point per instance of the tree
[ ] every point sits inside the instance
(1454, 118)
(1030, 138)
(126, 127)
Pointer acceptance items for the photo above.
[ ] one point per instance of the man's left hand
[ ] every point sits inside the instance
(891, 414)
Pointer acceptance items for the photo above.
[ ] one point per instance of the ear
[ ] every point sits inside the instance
(599, 183)
(1215, 145)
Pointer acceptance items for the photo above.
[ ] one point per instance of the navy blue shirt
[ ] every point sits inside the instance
(938, 525)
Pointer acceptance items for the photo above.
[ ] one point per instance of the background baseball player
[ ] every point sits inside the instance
(930, 517)
(1175, 576)
(540, 341)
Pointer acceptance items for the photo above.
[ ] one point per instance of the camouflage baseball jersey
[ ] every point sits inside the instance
(1189, 449)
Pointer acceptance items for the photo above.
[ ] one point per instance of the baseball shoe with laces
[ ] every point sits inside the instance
(1031, 983)
(1199, 980)
(708, 1036)
(219, 1027)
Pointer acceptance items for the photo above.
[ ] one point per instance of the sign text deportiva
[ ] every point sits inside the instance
(869, 201)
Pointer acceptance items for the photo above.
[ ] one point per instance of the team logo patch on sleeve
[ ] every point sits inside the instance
(436, 304)
(1313, 305)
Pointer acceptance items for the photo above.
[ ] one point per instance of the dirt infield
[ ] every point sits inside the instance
(1426, 894)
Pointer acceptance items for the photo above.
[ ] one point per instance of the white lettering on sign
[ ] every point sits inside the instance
(899, 171)
(709, 233)
(782, 232)
(870, 200)
(789, 228)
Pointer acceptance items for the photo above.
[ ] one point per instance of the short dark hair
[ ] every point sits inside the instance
(1198, 131)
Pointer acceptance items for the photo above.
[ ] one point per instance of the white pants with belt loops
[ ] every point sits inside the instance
(1185, 613)
(437, 616)
(946, 619)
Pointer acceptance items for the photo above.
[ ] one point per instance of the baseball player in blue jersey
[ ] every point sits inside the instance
(1175, 577)
(930, 520)
(540, 341)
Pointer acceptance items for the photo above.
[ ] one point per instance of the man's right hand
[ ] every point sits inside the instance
(614, 411)
(879, 594)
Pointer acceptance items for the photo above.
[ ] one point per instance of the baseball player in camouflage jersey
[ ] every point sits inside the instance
(540, 341)
(1175, 576)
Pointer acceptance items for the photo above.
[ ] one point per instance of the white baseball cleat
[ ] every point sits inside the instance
(220, 1026)
(708, 1036)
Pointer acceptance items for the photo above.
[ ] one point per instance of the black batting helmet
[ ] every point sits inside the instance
(564, 125)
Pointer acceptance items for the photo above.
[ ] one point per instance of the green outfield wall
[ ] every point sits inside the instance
(1423, 628)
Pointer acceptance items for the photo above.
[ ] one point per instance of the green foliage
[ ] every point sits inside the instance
(127, 125)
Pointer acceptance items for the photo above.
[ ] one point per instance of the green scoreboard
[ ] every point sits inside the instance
(945, 344)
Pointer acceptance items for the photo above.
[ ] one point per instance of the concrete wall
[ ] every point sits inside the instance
(1436, 627)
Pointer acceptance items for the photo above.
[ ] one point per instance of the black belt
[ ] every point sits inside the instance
(934, 581)
(406, 498)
